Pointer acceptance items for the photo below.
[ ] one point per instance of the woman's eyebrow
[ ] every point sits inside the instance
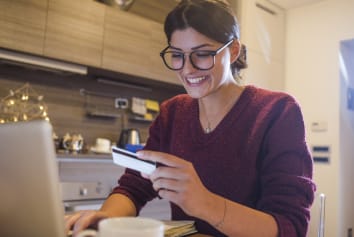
(175, 48)
(200, 46)
(194, 48)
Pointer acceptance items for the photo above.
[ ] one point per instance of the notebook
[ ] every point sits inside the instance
(30, 203)
(179, 228)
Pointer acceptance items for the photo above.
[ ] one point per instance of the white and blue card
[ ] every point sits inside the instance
(129, 160)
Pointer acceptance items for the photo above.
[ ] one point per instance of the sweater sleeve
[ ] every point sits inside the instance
(286, 172)
(136, 188)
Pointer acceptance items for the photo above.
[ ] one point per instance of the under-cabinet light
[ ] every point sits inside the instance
(42, 62)
(123, 84)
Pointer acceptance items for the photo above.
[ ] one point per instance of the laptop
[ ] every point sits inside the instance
(30, 200)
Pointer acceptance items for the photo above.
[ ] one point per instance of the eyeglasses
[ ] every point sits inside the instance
(200, 59)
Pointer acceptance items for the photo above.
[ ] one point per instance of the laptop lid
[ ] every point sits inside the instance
(30, 201)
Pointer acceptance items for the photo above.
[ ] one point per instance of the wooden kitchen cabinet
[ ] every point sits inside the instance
(22, 24)
(132, 45)
(88, 33)
(75, 31)
(125, 46)
(158, 42)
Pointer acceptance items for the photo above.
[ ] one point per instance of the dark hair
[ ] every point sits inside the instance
(212, 18)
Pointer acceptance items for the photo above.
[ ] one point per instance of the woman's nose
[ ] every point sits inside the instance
(188, 66)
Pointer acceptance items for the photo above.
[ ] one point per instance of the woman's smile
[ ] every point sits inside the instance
(195, 81)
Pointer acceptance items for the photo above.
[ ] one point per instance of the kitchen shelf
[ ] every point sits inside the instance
(101, 113)
(140, 119)
(101, 104)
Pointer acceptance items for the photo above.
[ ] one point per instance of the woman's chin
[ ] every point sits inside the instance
(196, 93)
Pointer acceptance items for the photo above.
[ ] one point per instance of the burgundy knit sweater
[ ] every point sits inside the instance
(256, 156)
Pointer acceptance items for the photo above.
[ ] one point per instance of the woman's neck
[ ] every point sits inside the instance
(214, 107)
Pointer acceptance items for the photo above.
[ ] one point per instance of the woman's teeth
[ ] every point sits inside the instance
(195, 80)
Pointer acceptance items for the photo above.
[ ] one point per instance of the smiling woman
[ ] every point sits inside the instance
(226, 162)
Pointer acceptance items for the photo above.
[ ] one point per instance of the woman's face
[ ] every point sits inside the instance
(200, 83)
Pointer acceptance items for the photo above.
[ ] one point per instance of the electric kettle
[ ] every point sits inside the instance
(129, 136)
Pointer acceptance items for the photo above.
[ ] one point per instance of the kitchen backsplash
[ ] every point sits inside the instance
(85, 104)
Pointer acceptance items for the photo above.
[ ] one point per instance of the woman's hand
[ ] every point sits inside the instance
(114, 206)
(83, 219)
(177, 181)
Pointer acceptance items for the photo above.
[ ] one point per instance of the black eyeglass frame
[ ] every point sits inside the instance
(211, 52)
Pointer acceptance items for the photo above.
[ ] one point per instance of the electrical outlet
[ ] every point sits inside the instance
(121, 103)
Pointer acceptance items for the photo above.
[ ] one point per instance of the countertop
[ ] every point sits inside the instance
(63, 155)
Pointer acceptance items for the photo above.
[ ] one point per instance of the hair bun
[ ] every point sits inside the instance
(241, 62)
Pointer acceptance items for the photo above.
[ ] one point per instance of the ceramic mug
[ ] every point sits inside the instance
(102, 145)
(127, 227)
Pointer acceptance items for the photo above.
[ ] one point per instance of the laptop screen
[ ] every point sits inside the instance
(30, 201)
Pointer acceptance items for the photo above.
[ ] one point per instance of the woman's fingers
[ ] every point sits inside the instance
(82, 220)
(70, 221)
(176, 180)
(161, 158)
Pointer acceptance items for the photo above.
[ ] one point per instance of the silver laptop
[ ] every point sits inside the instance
(30, 201)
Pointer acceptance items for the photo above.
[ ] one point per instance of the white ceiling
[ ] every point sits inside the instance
(288, 4)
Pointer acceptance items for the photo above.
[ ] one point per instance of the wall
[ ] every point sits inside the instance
(312, 75)
(263, 33)
(67, 106)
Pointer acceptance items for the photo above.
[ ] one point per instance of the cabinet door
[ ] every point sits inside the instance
(126, 46)
(158, 69)
(75, 31)
(132, 45)
(22, 25)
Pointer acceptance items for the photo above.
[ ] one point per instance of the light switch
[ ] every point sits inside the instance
(121, 103)
(319, 126)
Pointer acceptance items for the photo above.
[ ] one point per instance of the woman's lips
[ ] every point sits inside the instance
(195, 81)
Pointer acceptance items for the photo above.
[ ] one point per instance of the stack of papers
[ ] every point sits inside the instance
(179, 228)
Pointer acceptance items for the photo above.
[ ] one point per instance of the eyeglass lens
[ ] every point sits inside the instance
(199, 59)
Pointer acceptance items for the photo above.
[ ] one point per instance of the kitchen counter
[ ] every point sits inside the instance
(62, 155)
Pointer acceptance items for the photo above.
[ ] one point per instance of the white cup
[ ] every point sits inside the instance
(127, 227)
(103, 145)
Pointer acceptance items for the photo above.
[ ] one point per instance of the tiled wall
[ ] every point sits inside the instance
(67, 106)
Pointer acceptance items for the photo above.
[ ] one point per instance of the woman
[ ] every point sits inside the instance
(234, 158)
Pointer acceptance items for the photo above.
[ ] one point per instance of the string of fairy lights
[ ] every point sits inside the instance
(23, 104)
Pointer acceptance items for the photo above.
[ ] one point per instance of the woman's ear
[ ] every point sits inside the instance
(235, 48)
